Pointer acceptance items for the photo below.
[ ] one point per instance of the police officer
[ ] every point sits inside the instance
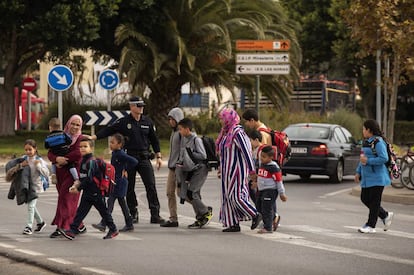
(140, 133)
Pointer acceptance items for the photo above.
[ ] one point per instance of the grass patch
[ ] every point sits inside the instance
(12, 146)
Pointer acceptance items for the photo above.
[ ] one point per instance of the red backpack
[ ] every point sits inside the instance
(106, 180)
(282, 143)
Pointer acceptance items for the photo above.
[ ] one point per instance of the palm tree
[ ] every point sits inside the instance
(193, 42)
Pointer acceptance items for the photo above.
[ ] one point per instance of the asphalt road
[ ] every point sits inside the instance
(318, 235)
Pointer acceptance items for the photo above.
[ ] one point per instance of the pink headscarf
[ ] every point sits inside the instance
(231, 119)
(67, 126)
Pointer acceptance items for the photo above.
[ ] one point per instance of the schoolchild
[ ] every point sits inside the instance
(257, 146)
(269, 184)
(122, 162)
(373, 176)
(58, 142)
(91, 195)
(28, 174)
(191, 182)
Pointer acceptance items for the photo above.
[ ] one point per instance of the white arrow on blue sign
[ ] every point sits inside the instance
(60, 78)
(103, 117)
(108, 79)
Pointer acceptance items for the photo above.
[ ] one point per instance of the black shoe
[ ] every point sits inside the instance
(234, 228)
(127, 228)
(68, 234)
(169, 223)
(256, 221)
(158, 220)
(99, 226)
(111, 234)
(56, 234)
(40, 226)
(82, 229)
(135, 218)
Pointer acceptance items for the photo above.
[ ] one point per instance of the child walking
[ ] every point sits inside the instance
(269, 184)
(122, 162)
(91, 195)
(30, 169)
(191, 182)
(58, 142)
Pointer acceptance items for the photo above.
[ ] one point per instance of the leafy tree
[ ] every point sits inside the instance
(388, 26)
(28, 32)
(193, 41)
(314, 33)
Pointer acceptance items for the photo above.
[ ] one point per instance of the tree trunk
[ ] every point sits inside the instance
(393, 98)
(7, 111)
(161, 101)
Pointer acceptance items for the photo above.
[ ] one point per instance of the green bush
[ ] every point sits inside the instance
(403, 132)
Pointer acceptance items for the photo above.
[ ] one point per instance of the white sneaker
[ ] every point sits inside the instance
(388, 220)
(367, 229)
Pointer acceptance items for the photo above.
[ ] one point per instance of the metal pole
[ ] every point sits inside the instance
(60, 107)
(378, 105)
(29, 110)
(257, 93)
(387, 77)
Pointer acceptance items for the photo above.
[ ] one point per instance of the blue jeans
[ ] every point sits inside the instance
(33, 213)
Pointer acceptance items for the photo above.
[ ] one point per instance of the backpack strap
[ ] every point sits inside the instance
(373, 144)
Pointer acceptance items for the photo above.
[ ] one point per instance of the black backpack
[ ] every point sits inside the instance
(210, 147)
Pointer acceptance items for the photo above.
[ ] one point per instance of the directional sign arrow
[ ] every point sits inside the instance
(107, 118)
(61, 78)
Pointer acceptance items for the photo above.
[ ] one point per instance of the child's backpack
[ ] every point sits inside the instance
(281, 141)
(210, 147)
(391, 164)
(106, 181)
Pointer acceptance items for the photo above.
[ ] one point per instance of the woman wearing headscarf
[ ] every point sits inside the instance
(67, 202)
(236, 165)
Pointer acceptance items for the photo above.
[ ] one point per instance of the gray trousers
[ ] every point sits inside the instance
(191, 183)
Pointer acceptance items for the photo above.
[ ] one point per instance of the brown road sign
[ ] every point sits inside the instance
(262, 45)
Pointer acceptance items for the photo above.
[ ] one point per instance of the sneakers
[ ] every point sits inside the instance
(207, 217)
(157, 219)
(111, 234)
(68, 234)
(57, 233)
(82, 229)
(169, 223)
(40, 226)
(234, 228)
(256, 221)
(127, 228)
(388, 220)
(53, 179)
(276, 222)
(196, 224)
(367, 229)
(99, 226)
(27, 231)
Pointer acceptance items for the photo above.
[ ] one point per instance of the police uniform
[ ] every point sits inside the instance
(140, 135)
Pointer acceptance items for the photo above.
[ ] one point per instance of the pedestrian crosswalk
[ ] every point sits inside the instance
(303, 235)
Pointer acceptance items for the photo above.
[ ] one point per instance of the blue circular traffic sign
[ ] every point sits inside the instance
(60, 78)
(108, 79)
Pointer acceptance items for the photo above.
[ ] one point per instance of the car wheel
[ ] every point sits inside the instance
(305, 176)
(338, 174)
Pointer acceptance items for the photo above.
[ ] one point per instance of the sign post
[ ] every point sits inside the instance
(108, 79)
(60, 78)
(262, 63)
(29, 84)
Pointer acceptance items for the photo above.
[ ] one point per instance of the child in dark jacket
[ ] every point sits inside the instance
(91, 195)
(122, 162)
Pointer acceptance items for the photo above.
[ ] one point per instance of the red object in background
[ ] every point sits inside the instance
(21, 109)
(29, 84)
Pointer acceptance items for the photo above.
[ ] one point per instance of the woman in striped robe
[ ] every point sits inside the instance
(236, 165)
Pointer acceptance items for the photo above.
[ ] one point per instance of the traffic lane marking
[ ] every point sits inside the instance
(391, 232)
